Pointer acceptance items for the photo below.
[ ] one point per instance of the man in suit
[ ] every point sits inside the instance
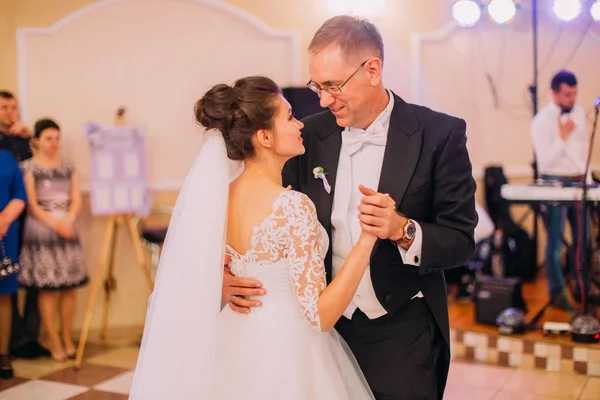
(397, 325)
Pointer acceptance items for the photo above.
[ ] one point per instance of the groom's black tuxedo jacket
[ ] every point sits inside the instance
(427, 171)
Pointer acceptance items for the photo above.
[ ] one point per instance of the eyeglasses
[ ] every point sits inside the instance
(333, 90)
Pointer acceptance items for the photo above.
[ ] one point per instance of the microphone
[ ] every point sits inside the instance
(597, 102)
(492, 89)
(564, 116)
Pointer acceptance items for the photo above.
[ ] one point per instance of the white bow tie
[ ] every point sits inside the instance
(353, 140)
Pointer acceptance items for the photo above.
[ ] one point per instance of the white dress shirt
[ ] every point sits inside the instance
(360, 163)
(555, 156)
(485, 226)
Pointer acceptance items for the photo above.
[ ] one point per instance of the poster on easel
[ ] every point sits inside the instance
(118, 170)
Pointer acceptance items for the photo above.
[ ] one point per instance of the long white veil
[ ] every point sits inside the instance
(177, 354)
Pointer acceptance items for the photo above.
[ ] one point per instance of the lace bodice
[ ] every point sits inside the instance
(290, 237)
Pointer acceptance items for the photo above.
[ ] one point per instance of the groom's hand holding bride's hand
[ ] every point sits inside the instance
(235, 289)
(378, 215)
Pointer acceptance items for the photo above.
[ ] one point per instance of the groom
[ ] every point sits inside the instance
(397, 325)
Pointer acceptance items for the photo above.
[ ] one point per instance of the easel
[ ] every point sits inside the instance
(107, 258)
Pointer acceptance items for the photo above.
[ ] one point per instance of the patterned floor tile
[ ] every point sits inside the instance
(541, 383)
(99, 395)
(34, 369)
(591, 391)
(42, 390)
(119, 384)
(120, 358)
(87, 375)
(8, 383)
(472, 375)
(108, 375)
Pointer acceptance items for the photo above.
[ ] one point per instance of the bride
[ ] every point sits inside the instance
(287, 349)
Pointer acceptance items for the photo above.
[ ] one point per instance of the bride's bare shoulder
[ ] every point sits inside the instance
(253, 194)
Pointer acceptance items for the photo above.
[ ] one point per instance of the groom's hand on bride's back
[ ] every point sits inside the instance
(236, 289)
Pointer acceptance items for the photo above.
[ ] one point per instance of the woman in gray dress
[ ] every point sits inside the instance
(51, 255)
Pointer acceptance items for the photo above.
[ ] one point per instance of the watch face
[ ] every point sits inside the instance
(411, 230)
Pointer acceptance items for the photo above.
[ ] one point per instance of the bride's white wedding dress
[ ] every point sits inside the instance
(278, 351)
(195, 349)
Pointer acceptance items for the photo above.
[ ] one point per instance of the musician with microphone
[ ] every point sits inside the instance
(561, 144)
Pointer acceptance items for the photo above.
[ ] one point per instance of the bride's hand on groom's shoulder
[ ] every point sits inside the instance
(236, 289)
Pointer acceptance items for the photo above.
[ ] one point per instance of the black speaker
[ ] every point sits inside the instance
(304, 101)
(494, 295)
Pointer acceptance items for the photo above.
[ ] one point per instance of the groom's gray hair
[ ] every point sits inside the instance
(357, 37)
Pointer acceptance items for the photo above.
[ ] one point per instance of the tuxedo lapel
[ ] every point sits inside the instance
(327, 157)
(402, 151)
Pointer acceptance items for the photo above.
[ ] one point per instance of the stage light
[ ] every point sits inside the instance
(595, 11)
(466, 12)
(567, 10)
(502, 11)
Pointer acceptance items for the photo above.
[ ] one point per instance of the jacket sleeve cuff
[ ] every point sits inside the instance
(412, 256)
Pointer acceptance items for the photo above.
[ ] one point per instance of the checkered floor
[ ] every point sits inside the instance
(106, 374)
(84, 385)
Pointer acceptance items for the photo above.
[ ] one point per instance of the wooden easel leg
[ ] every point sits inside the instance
(139, 250)
(105, 255)
(109, 283)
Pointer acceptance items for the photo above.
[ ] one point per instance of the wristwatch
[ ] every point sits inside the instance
(410, 230)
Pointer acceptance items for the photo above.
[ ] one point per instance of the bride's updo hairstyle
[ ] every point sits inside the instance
(239, 111)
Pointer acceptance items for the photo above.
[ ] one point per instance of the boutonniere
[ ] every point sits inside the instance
(320, 173)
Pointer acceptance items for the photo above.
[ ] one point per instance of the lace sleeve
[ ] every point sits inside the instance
(304, 253)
